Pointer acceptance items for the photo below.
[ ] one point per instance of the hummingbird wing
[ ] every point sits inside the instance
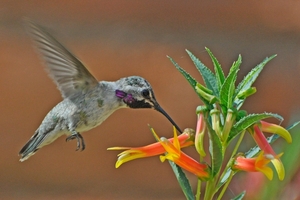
(67, 71)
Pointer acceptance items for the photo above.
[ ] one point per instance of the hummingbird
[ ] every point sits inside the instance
(86, 102)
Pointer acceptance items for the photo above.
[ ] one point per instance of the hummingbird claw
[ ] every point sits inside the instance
(82, 142)
(79, 138)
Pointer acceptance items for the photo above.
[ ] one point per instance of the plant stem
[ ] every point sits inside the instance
(232, 154)
(238, 143)
(198, 194)
(210, 189)
(225, 186)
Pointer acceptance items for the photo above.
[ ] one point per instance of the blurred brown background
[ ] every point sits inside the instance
(121, 38)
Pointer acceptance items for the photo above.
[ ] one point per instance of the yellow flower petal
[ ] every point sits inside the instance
(162, 158)
(155, 135)
(279, 168)
(118, 148)
(276, 129)
(128, 156)
(169, 147)
(267, 171)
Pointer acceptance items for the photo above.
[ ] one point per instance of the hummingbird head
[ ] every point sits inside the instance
(136, 92)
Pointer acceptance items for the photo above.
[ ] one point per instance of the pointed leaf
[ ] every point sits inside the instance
(293, 125)
(236, 64)
(218, 70)
(228, 87)
(225, 178)
(207, 75)
(183, 181)
(248, 121)
(240, 196)
(249, 79)
(190, 79)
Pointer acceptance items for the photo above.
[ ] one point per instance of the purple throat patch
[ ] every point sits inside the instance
(121, 94)
(127, 98)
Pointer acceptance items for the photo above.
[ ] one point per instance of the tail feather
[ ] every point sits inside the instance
(25, 157)
(27, 145)
(32, 145)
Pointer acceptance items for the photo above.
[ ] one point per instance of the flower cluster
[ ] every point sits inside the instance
(171, 148)
(219, 121)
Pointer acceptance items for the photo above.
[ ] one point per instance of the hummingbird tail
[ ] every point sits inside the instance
(30, 147)
(37, 141)
(25, 157)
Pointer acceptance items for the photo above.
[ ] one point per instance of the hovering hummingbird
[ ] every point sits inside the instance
(86, 102)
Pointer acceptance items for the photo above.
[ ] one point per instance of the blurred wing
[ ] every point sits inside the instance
(69, 74)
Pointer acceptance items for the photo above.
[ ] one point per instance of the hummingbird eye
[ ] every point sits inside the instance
(146, 93)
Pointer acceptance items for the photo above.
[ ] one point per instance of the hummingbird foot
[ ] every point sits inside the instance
(79, 138)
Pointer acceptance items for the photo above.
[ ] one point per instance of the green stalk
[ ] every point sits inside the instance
(198, 194)
(225, 186)
(210, 190)
(229, 162)
(238, 143)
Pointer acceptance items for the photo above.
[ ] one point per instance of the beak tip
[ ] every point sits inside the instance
(162, 111)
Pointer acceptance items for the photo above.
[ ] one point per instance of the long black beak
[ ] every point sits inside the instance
(159, 109)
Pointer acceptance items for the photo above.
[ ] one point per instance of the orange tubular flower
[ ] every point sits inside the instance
(185, 139)
(181, 159)
(258, 164)
(263, 144)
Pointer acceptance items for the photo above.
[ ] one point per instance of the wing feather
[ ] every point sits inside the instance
(67, 71)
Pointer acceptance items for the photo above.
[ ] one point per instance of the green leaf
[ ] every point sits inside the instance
(225, 178)
(207, 75)
(247, 121)
(240, 196)
(249, 79)
(293, 125)
(215, 150)
(183, 181)
(228, 87)
(220, 77)
(190, 79)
